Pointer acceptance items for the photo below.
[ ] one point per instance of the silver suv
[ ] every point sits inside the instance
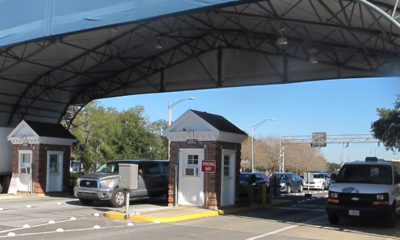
(104, 183)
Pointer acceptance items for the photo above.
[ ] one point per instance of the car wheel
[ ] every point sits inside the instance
(85, 201)
(289, 189)
(391, 220)
(333, 219)
(118, 198)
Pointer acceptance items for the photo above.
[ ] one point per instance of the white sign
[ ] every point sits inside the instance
(13, 188)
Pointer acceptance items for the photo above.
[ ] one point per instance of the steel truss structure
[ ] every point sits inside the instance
(344, 140)
(243, 43)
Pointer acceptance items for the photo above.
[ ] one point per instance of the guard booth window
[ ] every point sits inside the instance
(226, 166)
(25, 166)
(192, 165)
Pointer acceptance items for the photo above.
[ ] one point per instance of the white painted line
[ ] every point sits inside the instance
(51, 222)
(96, 227)
(52, 232)
(39, 225)
(11, 234)
(59, 230)
(72, 218)
(26, 226)
(273, 232)
(285, 228)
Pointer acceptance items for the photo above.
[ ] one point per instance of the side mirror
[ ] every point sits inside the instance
(333, 176)
(397, 179)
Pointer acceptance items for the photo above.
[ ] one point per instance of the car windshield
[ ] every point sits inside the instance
(111, 167)
(319, 175)
(375, 174)
(245, 177)
(283, 176)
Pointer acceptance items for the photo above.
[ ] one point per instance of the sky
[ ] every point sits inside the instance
(345, 106)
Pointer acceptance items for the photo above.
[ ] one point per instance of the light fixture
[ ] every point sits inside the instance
(281, 41)
(313, 59)
(158, 44)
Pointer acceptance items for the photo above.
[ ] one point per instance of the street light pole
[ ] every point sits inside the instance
(171, 105)
(252, 139)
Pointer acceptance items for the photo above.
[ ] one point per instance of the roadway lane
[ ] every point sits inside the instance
(304, 219)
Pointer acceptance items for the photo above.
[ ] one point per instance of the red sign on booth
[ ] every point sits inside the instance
(208, 166)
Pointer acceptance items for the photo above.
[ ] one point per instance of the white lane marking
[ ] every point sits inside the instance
(273, 232)
(70, 230)
(285, 228)
(39, 225)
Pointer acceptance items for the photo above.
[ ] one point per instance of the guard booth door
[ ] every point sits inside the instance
(25, 171)
(228, 178)
(55, 164)
(191, 178)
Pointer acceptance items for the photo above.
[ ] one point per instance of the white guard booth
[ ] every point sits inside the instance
(204, 160)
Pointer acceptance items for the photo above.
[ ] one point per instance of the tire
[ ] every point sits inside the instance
(333, 219)
(289, 189)
(85, 201)
(391, 220)
(118, 198)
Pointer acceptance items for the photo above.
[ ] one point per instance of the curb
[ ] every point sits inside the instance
(121, 216)
(138, 218)
(175, 219)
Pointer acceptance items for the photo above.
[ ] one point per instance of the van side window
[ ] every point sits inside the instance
(396, 168)
(151, 168)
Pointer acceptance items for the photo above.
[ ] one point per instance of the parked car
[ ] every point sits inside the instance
(104, 183)
(320, 181)
(248, 178)
(290, 182)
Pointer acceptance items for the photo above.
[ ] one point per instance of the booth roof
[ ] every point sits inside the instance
(219, 122)
(50, 130)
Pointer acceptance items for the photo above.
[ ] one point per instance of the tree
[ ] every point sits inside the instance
(298, 157)
(387, 127)
(333, 167)
(107, 134)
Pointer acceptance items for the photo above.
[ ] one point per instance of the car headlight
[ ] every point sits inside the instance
(380, 197)
(106, 182)
(333, 195)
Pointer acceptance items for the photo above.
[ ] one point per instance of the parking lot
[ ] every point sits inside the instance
(66, 218)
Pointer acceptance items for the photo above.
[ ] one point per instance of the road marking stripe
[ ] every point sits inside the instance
(70, 230)
(39, 225)
(273, 232)
(285, 228)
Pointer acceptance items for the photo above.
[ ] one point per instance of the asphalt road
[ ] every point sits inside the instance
(65, 218)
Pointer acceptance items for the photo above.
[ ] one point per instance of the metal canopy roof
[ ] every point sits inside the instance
(68, 53)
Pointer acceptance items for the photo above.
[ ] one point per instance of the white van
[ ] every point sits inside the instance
(364, 189)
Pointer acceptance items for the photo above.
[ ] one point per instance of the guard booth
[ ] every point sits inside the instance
(41, 157)
(204, 160)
